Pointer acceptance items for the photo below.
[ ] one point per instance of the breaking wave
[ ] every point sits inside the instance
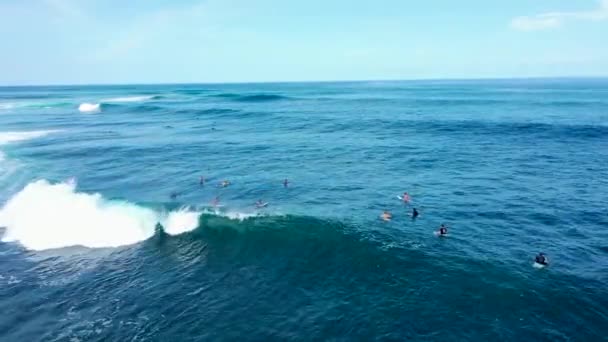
(48, 216)
(124, 99)
(89, 107)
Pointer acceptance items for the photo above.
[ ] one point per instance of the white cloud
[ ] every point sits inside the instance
(553, 20)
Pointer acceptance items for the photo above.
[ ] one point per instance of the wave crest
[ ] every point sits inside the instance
(140, 98)
(89, 107)
(252, 97)
(49, 216)
(11, 137)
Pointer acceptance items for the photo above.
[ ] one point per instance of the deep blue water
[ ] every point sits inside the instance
(514, 167)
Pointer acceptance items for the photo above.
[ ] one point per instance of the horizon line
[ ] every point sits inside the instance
(309, 81)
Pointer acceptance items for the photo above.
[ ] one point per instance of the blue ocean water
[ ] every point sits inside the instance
(513, 167)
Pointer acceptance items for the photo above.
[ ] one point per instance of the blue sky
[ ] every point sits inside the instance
(156, 41)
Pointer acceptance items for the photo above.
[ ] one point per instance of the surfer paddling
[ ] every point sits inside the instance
(415, 213)
(216, 201)
(443, 230)
(406, 198)
(542, 259)
(260, 204)
(386, 216)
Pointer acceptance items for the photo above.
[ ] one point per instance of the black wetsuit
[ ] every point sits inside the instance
(541, 260)
(414, 213)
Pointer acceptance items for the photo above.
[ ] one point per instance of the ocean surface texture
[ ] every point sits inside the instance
(108, 235)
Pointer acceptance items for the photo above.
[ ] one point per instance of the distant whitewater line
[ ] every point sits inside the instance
(34, 105)
(94, 107)
(12, 137)
(139, 98)
(89, 107)
(49, 216)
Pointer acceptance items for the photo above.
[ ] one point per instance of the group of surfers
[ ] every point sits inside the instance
(406, 198)
(540, 258)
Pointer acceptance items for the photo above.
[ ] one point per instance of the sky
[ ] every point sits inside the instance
(200, 41)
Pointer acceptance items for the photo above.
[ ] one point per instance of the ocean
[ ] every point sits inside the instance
(109, 235)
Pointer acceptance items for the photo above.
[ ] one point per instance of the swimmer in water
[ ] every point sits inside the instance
(225, 183)
(386, 216)
(414, 213)
(443, 230)
(541, 259)
(174, 195)
(202, 181)
(285, 183)
(406, 198)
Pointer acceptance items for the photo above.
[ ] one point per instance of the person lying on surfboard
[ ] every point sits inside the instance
(541, 259)
(386, 216)
(260, 204)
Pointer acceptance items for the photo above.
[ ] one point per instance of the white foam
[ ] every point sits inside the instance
(181, 221)
(48, 216)
(6, 106)
(11, 137)
(130, 99)
(89, 107)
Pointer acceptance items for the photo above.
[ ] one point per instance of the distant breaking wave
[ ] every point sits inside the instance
(11, 137)
(34, 105)
(89, 107)
(49, 216)
(127, 99)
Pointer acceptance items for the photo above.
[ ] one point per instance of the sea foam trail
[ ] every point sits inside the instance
(48, 216)
(89, 107)
(11, 137)
(130, 99)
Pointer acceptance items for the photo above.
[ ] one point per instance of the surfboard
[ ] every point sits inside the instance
(537, 265)
(439, 234)
(399, 197)
(263, 205)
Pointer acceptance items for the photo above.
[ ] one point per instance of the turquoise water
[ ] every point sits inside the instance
(514, 167)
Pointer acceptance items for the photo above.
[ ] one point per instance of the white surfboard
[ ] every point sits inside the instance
(537, 265)
(263, 205)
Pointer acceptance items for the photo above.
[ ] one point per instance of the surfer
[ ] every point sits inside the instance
(541, 259)
(225, 183)
(406, 197)
(285, 183)
(174, 195)
(259, 204)
(202, 181)
(414, 213)
(443, 230)
(386, 216)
